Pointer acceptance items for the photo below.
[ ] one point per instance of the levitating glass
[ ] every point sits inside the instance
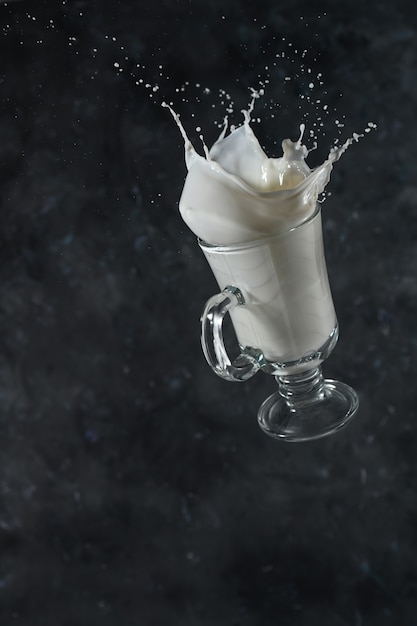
(277, 293)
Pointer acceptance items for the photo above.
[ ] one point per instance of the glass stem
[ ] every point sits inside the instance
(302, 388)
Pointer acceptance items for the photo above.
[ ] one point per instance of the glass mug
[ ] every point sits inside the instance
(277, 293)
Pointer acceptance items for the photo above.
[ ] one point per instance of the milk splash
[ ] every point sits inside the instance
(235, 193)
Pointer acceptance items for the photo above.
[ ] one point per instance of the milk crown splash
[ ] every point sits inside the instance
(235, 193)
(240, 154)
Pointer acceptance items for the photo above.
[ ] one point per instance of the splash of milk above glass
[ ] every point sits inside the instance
(235, 193)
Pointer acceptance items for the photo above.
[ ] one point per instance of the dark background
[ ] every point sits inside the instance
(135, 486)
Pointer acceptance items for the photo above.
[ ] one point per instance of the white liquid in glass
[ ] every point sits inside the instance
(288, 310)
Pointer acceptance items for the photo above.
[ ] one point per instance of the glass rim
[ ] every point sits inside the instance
(214, 247)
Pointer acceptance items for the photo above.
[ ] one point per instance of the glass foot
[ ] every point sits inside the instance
(305, 414)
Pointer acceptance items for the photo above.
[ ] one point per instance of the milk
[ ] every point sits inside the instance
(260, 229)
(235, 193)
(288, 313)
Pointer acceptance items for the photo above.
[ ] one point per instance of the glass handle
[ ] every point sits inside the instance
(244, 366)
